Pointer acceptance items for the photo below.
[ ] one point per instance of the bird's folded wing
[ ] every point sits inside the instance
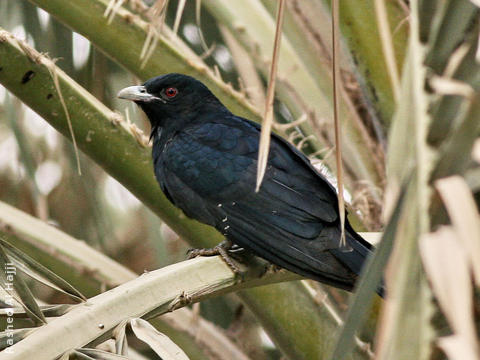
(221, 159)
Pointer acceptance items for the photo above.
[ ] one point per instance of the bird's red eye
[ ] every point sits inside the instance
(171, 92)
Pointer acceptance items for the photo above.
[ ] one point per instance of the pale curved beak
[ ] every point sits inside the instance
(135, 93)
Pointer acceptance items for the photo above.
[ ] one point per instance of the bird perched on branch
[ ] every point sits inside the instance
(205, 160)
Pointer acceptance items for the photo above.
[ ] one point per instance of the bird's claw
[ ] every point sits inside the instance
(193, 253)
(222, 250)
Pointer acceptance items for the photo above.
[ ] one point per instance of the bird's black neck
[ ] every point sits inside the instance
(165, 127)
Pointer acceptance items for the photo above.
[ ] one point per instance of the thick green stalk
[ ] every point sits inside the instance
(101, 134)
(123, 40)
(292, 297)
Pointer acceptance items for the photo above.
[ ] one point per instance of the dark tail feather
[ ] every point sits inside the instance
(355, 259)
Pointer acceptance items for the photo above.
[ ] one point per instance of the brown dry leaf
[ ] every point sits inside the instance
(160, 343)
(119, 334)
(457, 348)
(87, 353)
(336, 120)
(112, 8)
(268, 116)
(446, 265)
(476, 2)
(447, 86)
(463, 213)
(178, 15)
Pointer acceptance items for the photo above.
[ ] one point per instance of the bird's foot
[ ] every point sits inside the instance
(221, 249)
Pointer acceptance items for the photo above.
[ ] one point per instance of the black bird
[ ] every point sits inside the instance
(205, 160)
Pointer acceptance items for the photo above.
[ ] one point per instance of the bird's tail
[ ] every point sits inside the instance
(355, 258)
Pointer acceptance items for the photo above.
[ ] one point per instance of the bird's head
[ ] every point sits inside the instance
(172, 99)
